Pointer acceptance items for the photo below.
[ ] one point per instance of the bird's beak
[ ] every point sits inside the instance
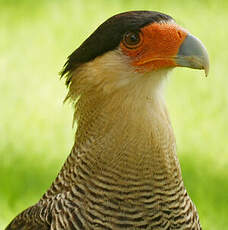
(168, 45)
(193, 54)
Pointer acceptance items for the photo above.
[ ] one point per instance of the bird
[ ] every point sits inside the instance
(123, 171)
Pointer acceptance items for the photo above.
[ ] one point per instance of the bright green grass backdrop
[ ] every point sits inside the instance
(35, 127)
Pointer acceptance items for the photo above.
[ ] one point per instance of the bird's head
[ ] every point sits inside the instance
(132, 47)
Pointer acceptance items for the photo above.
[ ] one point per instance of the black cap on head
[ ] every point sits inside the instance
(108, 36)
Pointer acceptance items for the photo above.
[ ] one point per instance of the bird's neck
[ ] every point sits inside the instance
(124, 137)
(128, 134)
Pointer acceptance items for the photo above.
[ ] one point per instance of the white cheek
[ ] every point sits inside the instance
(113, 71)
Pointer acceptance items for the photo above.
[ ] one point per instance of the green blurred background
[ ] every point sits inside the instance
(36, 132)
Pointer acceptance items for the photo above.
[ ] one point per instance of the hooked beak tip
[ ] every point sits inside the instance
(193, 54)
(206, 70)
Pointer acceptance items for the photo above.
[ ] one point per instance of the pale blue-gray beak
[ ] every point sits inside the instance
(193, 54)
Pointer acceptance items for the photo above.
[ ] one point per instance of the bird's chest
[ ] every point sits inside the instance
(108, 206)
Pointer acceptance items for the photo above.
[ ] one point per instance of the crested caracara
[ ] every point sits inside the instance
(123, 171)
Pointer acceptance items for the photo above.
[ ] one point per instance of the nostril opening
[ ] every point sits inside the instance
(179, 34)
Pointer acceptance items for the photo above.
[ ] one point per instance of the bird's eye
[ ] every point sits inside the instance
(132, 39)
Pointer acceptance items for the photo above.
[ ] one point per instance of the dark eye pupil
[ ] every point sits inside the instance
(132, 38)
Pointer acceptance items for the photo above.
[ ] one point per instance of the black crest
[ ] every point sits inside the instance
(108, 36)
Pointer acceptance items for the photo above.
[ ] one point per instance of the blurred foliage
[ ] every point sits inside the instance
(35, 129)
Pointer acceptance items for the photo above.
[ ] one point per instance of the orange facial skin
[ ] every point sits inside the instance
(159, 47)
